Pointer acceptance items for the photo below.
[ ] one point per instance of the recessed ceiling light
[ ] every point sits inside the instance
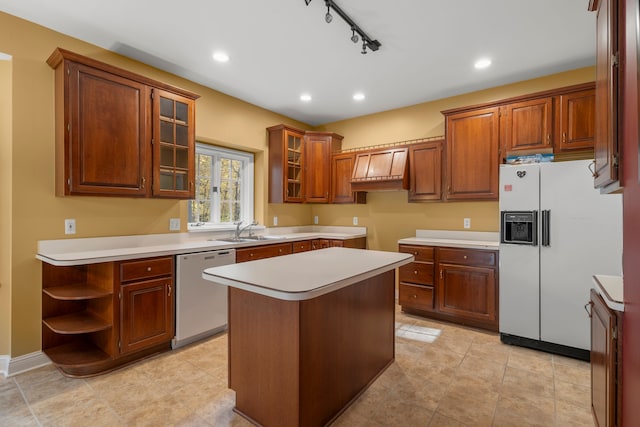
(305, 97)
(482, 63)
(358, 96)
(221, 56)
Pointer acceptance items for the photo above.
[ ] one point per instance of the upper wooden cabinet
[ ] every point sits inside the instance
(318, 147)
(473, 141)
(341, 169)
(104, 132)
(527, 124)
(577, 127)
(286, 164)
(607, 90)
(300, 165)
(425, 171)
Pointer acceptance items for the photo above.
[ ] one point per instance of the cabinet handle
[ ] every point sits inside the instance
(280, 250)
(548, 138)
(465, 257)
(441, 274)
(148, 268)
(415, 296)
(587, 308)
(415, 253)
(415, 271)
(564, 137)
(143, 181)
(169, 290)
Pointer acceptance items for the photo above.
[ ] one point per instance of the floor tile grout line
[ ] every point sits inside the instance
(26, 401)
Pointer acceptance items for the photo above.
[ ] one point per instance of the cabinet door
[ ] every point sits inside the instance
(528, 124)
(107, 140)
(317, 165)
(472, 155)
(146, 314)
(425, 171)
(603, 369)
(173, 145)
(577, 121)
(341, 170)
(467, 292)
(606, 120)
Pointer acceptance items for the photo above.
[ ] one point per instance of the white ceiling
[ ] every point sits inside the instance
(280, 49)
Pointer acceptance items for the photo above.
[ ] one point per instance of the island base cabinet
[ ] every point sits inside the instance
(301, 363)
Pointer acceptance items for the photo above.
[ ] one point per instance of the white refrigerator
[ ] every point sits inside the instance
(545, 284)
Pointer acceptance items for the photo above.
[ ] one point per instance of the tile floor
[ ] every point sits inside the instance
(443, 375)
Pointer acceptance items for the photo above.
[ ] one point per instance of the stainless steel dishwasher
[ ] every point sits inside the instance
(201, 306)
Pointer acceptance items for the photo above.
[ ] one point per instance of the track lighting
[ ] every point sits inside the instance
(354, 37)
(328, 17)
(356, 32)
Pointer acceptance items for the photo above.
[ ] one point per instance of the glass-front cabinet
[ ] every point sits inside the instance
(294, 166)
(173, 145)
(286, 164)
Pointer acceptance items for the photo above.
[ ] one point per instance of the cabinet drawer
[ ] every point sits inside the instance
(417, 272)
(421, 253)
(467, 256)
(302, 246)
(260, 252)
(146, 268)
(415, 296)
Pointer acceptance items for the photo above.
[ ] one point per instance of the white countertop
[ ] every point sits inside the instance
(611, 289)
(67, 252)
(456, 239)
(307, 275)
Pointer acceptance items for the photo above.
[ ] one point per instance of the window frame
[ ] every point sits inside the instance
(247, 188)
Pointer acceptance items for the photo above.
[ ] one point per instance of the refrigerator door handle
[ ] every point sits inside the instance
(546, 227)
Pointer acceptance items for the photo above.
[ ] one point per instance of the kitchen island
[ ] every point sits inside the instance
(308, 332)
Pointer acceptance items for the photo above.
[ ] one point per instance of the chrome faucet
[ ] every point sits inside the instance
(240, 230)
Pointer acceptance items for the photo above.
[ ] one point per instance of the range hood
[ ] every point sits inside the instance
(381, 170)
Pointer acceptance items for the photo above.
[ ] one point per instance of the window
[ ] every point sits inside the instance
(224, 187)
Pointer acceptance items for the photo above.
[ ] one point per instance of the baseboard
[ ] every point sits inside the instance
(13, 366)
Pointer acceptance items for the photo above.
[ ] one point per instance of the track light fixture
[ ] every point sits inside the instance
(354, 37)
(356, 32)
(328, 17)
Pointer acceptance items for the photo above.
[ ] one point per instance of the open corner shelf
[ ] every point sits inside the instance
(76, 323)
(76, 292)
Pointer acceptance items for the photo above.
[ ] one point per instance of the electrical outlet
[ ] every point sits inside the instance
(355, 220)
(275, 220)
(174, 224)
(315, 219)
(467, 223)
(69, 226)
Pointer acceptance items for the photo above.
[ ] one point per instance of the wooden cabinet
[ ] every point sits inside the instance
(173, 145)
(527, 124)
(104, 132)
(264, 251)
(384, 170)
(146, 303)
(472, 139)
(453, 284)
(416, 288)
(318, 148)
(97, 317)
(341, 170)
(577, 125)
(286, 164)
(425, 171)
(607, 93)
(605, 359)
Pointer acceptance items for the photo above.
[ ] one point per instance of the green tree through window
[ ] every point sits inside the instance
(224, 186)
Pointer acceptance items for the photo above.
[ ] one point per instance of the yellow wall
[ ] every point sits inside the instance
(36, 214)
(5, 204)
(387, 215)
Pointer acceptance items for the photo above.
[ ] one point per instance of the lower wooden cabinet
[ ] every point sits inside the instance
(454, 284)
(267, 251)
(97, 317)
(606, 353)
(263, 251)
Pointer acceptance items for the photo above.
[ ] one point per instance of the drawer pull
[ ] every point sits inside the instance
(148, 268)
(415, 253)
(465, 257)
(280, 250)
(415, 271)
(415, 296)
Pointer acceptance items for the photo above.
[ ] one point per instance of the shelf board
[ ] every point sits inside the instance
(75, 292)
(76, 323)
(76, 354)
